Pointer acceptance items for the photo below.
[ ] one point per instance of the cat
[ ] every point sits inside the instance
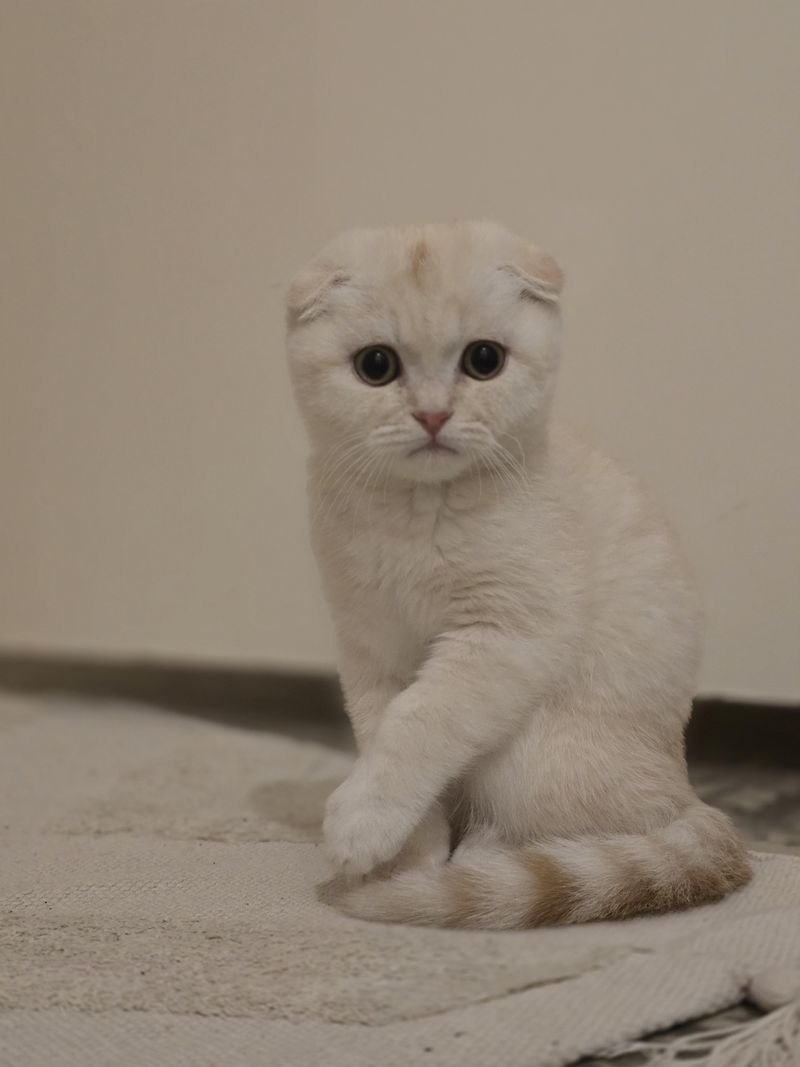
(517, 636)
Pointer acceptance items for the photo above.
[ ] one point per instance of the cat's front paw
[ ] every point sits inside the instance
(362, 828)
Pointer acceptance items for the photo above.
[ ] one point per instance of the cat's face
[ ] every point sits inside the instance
(420, 353)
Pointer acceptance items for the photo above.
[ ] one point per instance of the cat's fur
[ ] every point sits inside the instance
(517, 636)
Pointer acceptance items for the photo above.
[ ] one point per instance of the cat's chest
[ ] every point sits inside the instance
(420, 549)
(411, 559)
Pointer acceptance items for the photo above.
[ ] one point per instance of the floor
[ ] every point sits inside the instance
(749, 767)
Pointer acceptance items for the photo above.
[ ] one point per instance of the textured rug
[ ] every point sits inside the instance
(157, 889)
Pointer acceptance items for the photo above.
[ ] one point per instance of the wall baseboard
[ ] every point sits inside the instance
(720, 730)
(744, 732)
(241, 695)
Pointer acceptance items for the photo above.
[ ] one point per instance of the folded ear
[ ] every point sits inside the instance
(539, 275)
(308, 293)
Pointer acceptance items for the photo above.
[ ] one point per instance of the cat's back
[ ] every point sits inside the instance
(615, 509)
(638, 589)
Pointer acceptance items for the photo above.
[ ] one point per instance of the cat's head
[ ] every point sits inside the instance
(425, 351)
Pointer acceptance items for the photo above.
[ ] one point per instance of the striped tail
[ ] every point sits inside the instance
(696, 859)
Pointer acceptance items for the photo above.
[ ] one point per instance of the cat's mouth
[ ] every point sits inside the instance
(433, 446)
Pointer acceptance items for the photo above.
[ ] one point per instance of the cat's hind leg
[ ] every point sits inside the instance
(429, 843)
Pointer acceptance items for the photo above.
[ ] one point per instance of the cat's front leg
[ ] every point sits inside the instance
(472, 693)
(368, 685)
(369, 688)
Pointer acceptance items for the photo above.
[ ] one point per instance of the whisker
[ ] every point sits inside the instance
(349, 477)
(507, 468)
(338, 453)
(375, 468)
(490, 468)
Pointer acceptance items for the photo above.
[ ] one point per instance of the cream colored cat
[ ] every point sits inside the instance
(517, 637)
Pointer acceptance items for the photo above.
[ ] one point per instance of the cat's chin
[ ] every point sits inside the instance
(431, 466)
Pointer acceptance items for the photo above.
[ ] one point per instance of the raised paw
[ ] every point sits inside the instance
(363, 828)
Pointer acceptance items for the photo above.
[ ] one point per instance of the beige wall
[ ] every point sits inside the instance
(167, 164)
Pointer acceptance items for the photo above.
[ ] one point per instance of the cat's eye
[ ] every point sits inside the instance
(377, 364)
(483, 360)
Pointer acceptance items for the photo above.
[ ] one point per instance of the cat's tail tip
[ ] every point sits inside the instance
(422, 896)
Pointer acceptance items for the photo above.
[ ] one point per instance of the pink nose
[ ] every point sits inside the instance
(433, 421)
